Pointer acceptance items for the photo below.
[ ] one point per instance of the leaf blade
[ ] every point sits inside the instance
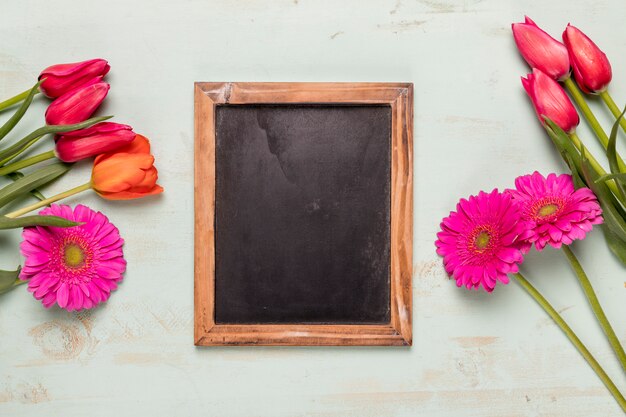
(7, 279)
(35, 220)
(17, 116)
(32, 181)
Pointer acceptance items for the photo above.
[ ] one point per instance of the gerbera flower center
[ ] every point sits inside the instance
(73, 255)
(547, 208)
(482, 240)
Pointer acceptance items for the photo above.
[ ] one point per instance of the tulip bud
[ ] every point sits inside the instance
(541, 50)
(61, 78)
(78, 104)
(550, 100)
(99, 138)
(592, 68)
(126, 174)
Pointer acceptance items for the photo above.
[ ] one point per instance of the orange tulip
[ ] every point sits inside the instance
(127, 173)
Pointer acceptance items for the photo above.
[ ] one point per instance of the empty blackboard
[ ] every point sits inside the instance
(303, 209)
(302, 214)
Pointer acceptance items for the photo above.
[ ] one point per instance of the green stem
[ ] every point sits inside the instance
(610, 103)
(49, 200)
(593, 161)
(595, 305)
(16, 166)
(14, 100)
(21, 151)
(582, 349)
(576, 94)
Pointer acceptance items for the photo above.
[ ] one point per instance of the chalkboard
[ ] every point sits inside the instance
(302, 214)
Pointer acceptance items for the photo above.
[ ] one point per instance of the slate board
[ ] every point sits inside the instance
(302, 214)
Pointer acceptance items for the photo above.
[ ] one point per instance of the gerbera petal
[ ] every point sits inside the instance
(75, 267)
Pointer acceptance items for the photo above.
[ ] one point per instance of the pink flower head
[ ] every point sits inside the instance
(592, 68)
(95, 140)
(550, 100)
(541, 50)
(77, 105)
(557, 213)
(76, 267)
(61, 78)
(480, 241)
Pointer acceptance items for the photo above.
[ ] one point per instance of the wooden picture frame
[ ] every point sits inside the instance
(399, 96)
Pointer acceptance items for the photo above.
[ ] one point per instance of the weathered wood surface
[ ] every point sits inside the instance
(473, 354)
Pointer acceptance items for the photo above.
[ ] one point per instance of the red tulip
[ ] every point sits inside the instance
(61, 78)
(592, 68)
(78, 104)
(550, 100)
(541, 50)
(97, 139)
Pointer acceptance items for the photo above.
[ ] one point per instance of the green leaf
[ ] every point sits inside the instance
(17, 116)
(17, 175)
(45, 130)
(605, 178)
(27, 221)
(8, 280)
(614, 221)
(611, 154)
(615, 244)
(566, 149)
(32, 181)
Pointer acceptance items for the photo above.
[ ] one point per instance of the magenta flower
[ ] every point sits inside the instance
(550, 100)
(480, 242)
(558, 213)
(592, 68)
(541, 50)
(75, 267)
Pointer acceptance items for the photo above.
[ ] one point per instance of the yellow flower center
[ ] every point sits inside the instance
(547, 210)
(482, 240)
(74, 256)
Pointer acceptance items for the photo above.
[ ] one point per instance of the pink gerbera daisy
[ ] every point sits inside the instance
(557, 212)
(480, 242)
(76, 267)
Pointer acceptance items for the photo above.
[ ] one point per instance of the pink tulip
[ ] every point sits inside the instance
(99, 138)
(61, 78)
(550, 100)
(541, 50)
(592, 68)
(78, 104)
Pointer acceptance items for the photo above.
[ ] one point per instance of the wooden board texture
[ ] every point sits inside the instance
(474, 355)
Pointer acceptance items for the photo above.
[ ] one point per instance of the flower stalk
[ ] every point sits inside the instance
(49, 200)
(610, 103)
(582, 349)
(16, 166)
(595, 305)
(15, 99)
(576, 94)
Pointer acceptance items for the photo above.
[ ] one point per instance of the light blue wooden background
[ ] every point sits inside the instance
(473, 354)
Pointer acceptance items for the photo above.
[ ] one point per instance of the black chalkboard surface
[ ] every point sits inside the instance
(302, 214)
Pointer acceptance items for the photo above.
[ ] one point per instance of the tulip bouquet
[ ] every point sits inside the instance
(487, 237)
(73, 256)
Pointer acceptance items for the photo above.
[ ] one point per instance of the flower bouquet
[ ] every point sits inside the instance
(486, 238)
(73, 256)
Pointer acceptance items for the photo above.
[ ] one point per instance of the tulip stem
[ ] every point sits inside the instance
(16, 166)
(591, 118)
(593, 161)
(15, 99)
(49, 200)
(21, 151)
(610, 103)
(595, 305)
(582, 349)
